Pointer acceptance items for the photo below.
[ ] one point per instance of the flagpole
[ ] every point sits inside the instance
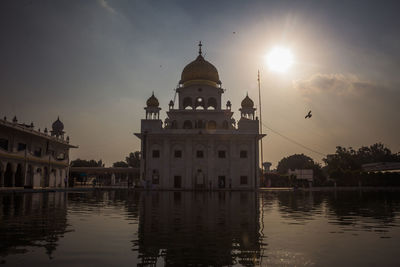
(259, 100)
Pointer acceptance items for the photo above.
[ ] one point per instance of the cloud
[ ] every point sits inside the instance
(106, 6)
(337, 84)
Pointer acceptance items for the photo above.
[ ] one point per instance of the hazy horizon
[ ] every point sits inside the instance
(95, 63)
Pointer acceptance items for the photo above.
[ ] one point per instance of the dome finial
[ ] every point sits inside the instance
(200, 45)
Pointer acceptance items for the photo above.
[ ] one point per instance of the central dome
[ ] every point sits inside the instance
(200, 69)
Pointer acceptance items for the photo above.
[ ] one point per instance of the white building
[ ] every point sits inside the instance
(303, 174)
(200, 146)
(30, 158)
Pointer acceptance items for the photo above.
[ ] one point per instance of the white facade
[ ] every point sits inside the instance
(200, 146)
(30, 158)
(303, 174)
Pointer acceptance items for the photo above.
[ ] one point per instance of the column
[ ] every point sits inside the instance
(165, 180)
(256, 180)
(25, 171)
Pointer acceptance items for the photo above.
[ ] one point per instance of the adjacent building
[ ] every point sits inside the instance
(31, 158)
(200, 145)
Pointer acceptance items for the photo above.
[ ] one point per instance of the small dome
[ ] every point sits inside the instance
(57, 126)
(247, 102)
(152, 101)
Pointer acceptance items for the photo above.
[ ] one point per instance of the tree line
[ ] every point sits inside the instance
(132, 160)
(345, 166)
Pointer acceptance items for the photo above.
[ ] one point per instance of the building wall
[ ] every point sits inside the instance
(27, 167)
(232, 167)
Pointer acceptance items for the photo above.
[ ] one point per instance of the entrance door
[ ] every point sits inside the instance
(177, 181)
(221, 181)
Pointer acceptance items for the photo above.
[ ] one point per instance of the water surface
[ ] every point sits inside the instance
(125, 228)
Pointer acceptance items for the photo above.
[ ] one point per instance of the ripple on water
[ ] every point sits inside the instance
(195, 228)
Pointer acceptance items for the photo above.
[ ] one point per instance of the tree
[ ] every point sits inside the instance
(86, 163)
(376, 153)
(301, 161)
(352, 160)
(343, 159)
(133, 160)
(120, 164)
(296, 161)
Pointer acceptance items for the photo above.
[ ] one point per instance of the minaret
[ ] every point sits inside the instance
(152, 108)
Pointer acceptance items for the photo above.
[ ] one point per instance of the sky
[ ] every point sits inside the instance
(94, 63)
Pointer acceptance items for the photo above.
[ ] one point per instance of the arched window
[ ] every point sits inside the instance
(187, 125)
(199, 124)
(174, 125)
(212, 103)
(211, 125)
(199, 104)
(225, 125)
(187, 103)
(155, 177)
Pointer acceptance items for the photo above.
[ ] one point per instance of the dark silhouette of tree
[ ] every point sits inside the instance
(133, 159)
(86, 163)
(120, 164)
(296, 161)
(345, 166)
(376, 153)
(301, 161)
(348, 159)
(343, 159)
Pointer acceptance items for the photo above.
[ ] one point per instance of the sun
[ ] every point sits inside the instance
(279, 59)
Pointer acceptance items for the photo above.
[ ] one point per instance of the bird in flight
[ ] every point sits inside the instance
(309, 115)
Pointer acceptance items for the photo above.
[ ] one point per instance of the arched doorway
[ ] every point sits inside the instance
(8, 176)
(45, 177)
(200, 182)
(29, 177)
(19, 176)
(199, 124)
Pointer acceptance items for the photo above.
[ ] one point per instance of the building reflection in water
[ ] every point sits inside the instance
(226, 227)
(343, 208)
(32, 220)
(199, 228)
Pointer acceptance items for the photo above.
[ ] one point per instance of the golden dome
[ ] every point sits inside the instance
(247, 102)
(200, 69)
(152, 101)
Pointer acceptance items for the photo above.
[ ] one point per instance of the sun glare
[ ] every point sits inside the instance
(280, 59)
